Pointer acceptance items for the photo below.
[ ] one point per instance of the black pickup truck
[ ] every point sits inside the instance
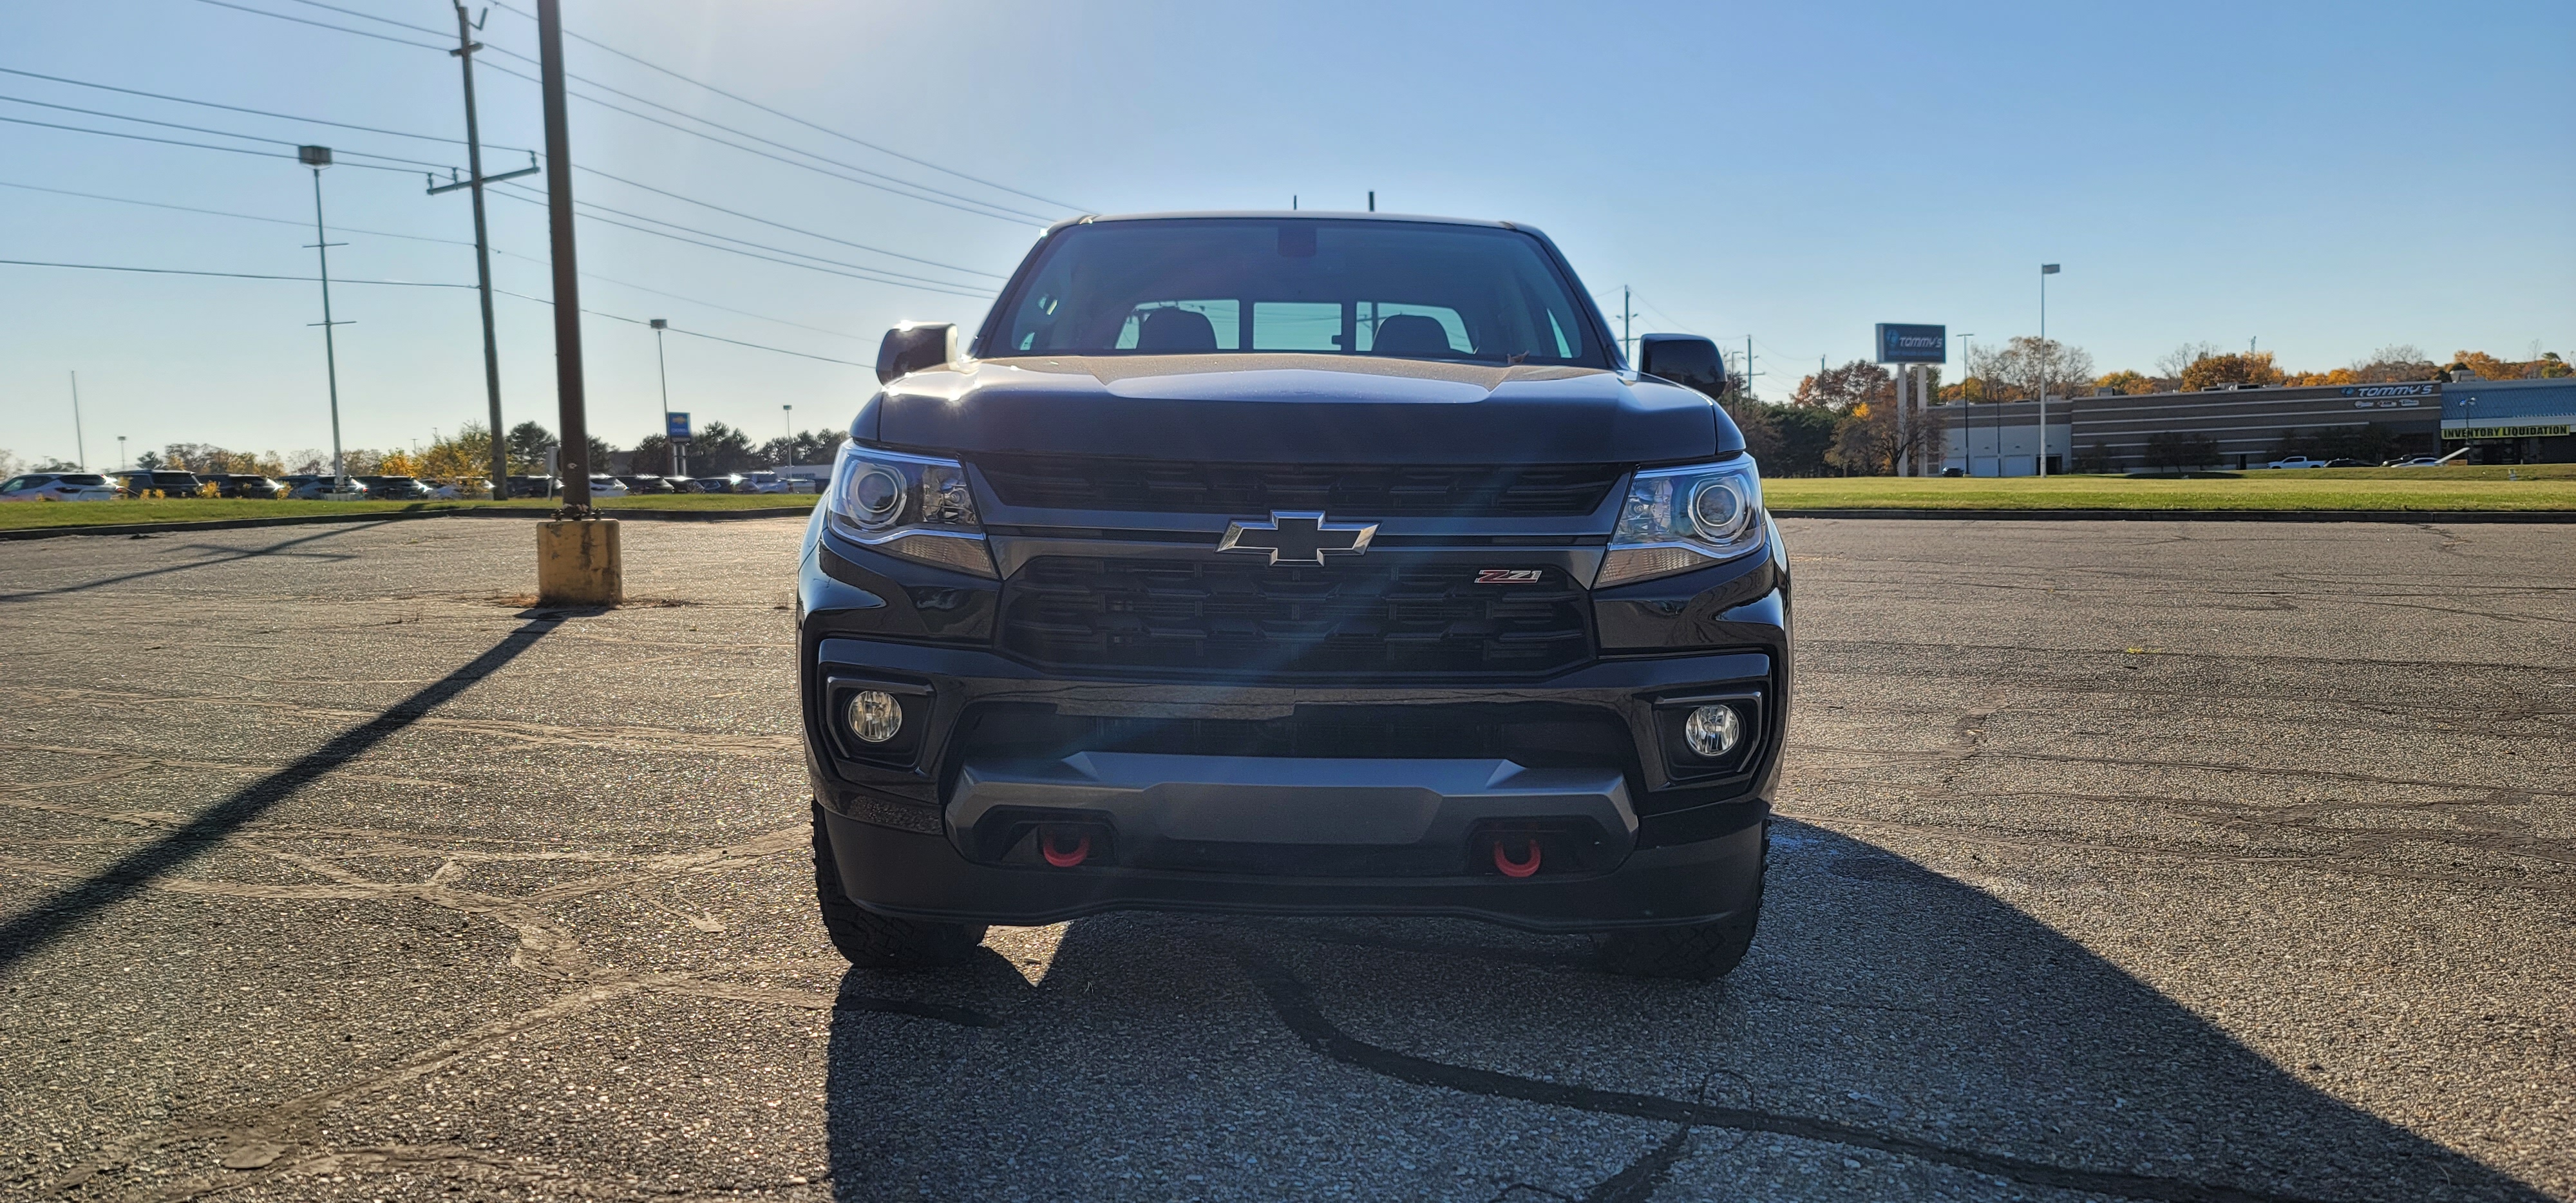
(1285, 563)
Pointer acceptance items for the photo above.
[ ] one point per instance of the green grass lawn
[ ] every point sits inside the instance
(2541, 487)
(21, 515)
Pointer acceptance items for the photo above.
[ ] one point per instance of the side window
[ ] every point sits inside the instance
(1224, 319)
(1451, 324)
(1564, 349)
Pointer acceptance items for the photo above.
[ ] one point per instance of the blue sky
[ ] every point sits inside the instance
(2326, 178)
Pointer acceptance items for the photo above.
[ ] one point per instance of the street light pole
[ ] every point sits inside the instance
(120, 453)
(317, 158)
(80, 442)
(788, 412)
(669, 444)
(2046, 361)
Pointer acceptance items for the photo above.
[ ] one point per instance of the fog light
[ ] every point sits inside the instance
(875, 716)
(1713, 731)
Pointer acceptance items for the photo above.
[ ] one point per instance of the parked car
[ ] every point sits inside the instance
(716, 484)
(457, 490)
(326, 488)
(2296, 461)
(168, 484)
(606, 486)
(2347, 463)
(394, 488)
(647, 484)
(1499, 694)
(535, 486)
(58, 486)
(771, 482)
(247, 484)
(2415, 461)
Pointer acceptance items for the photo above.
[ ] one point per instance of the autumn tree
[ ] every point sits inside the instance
(2398, 363)
(1839, 389)
(463, 456)
(2173, 363)
(2125, 382)
(2020, 368)
(2220, 371)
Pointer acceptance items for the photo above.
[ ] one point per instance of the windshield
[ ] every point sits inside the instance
(1213, 285)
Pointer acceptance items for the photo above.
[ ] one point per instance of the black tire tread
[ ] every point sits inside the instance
(874, 941)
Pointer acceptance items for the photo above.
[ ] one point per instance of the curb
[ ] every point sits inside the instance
(160, 528)
(2402, 516)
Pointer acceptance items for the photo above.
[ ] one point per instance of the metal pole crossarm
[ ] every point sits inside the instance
(436, 188)
(567, 276)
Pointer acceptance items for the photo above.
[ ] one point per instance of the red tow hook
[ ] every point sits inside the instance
(1516, 868)
(1066, 858)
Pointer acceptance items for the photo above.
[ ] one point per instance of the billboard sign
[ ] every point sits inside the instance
(1900, 343)
(678, 431)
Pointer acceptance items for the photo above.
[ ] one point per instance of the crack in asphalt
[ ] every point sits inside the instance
(1296, 1009)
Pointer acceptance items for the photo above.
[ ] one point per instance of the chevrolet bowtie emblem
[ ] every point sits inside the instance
(1297, 538)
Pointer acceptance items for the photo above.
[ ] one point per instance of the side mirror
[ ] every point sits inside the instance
(1685, 359)
(912, 346)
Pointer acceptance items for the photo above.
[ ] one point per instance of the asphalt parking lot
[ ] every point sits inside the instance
(2158, 861)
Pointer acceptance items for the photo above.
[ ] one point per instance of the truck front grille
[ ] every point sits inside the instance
(1378, 616)
(1370, 491)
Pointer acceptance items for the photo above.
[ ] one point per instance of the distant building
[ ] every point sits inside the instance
(2504, 421)
(2520, 421)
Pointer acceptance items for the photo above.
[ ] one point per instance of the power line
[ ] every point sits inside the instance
(322, 25)
(637, 321)
(281, 221)
(600, 208)
(363, 16)
(82, 83)
(239, 150)
(786, 116)
(791, 229)
(178, 271)
(199, 129)
(894, 185)
(854, 273)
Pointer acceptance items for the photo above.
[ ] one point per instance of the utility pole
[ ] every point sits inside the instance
(1372, 200)
(2046, 362)
(1626, 313)
(570, 415)
(80, 442)
(464, 52)
(1747, 390)
(317, 158)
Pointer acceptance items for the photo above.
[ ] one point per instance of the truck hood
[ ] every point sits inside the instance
(1295, 409)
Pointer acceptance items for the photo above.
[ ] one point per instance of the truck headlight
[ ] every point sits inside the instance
(1677, 519)
(911, 506)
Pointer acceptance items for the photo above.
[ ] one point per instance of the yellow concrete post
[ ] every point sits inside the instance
(578, 563)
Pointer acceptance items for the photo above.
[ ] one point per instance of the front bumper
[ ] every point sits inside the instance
(1257, 796)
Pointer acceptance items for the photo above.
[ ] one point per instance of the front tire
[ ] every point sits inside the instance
(1699, 952)
(874, 941)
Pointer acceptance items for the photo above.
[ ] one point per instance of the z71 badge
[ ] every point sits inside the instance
(1508, 576)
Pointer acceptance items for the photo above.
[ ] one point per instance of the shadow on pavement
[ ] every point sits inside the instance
(226, 555)
(1886, 1010)
(57, 916)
